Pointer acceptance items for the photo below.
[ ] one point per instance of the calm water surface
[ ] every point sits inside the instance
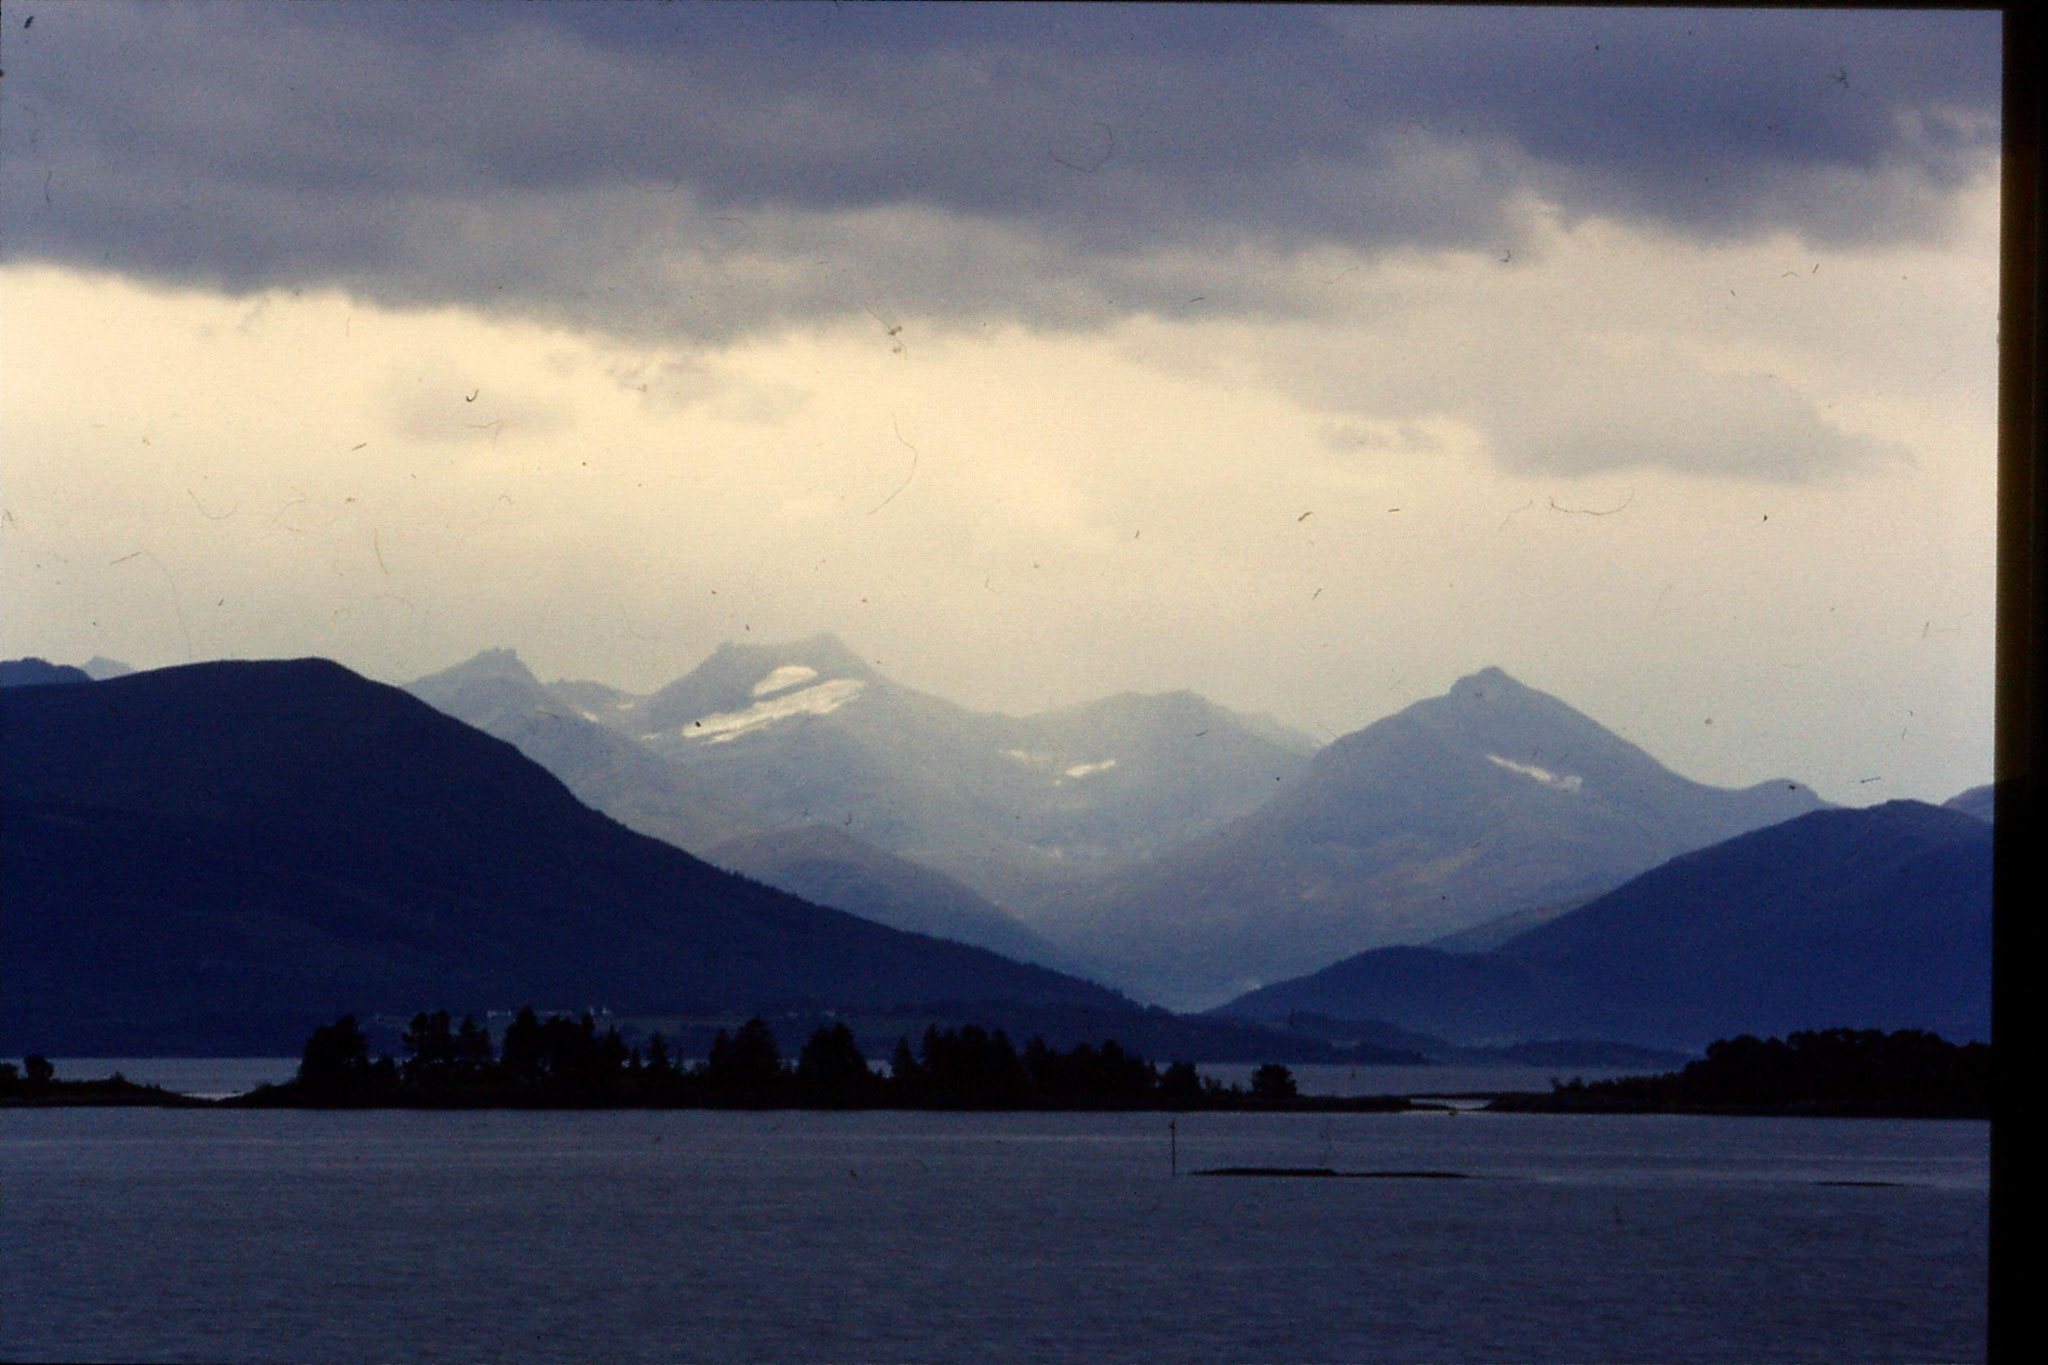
(212, 1077)
(169, 1235)
(218, 1076)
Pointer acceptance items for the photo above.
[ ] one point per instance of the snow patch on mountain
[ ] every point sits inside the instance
(1084, 769)
(823, 699)
(1564, 782)
(784, 678)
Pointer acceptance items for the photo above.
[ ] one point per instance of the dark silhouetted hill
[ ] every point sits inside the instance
(1908, 1073)
(219, 856)
(1864, 919)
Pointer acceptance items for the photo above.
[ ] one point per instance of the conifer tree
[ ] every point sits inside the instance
(831, 1070)
(521, 1052)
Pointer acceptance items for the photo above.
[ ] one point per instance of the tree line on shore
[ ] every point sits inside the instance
(1908, 1073)
(570, 1062)
(561, 1062)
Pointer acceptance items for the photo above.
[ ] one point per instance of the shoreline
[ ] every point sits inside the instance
(118, 1093)
(114, 1092)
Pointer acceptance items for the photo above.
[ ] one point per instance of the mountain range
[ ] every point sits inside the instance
(1493, 804)
(800, 765)
(1179, 851)
(228, 850)
(809, 733)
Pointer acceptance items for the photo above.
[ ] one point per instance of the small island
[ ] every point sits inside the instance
(35, 1083)
(1833, 1073)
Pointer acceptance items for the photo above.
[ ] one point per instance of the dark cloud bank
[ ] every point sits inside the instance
(679, 174)
(547, 155)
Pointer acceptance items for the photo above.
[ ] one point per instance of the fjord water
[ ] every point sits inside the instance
(216, 1077)
(257, 1236)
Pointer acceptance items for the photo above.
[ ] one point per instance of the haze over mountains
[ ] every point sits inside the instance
(1166, 845)
(561, 729)
(808, 732)
(804, 767)
(1493, 800)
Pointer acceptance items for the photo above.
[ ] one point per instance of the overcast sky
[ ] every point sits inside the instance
(1306, 358)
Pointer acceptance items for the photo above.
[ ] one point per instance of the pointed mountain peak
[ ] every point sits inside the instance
(501, 663)
(1492, 699)
(1490, 723)
(1490, 684)
(490, 665)
(744, 685)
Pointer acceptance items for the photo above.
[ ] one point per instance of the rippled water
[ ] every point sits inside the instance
(176, 1235)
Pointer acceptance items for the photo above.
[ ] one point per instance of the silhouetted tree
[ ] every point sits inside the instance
(521, 1054)
(744, 1068)
(430, 1048)
(612, 1052)
(37, 1070)
(659, 1066)
(472, 1050)
(1273, 1084)
(1181, 1086)
(903, 1062)
(1107, 1077)
(831, 1070)
(336, 1062)
(906, 1077)
(576, 1061)
(972, 1068)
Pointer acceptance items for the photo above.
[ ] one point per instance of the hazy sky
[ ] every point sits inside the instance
(1308, 359)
